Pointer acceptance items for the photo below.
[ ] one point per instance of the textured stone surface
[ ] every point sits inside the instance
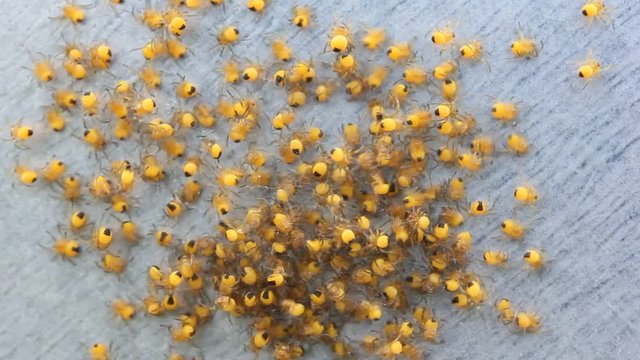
(585, 160)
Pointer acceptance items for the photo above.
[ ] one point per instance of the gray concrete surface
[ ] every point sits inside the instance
(585, 160)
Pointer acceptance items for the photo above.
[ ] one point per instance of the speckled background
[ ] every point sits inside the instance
(585, 160)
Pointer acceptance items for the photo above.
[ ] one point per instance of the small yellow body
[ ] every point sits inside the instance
(44, 71)
(374, 38)
(471, 51)
(302, 16)
(443, 36)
